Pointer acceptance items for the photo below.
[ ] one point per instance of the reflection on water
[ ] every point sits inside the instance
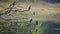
(51, 29)
(52, 1)
(46, 27)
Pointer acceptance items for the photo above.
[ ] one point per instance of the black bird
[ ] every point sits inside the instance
(9, 9)
(36, 30)
(30, 20)
(36, 22)
(14, 3)
(29, 8)
(30, 32)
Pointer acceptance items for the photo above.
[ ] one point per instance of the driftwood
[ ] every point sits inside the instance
(10, 9)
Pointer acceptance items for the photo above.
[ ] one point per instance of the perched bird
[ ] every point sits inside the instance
(14, 3)
(36, 30)
(29, 8)
(31, 20)
(36, 22)
(30, 32)
(9, 9)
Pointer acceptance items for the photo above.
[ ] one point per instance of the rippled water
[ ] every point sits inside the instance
(46, 27)
(53, 28)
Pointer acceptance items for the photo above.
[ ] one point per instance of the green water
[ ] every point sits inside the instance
(26, 28)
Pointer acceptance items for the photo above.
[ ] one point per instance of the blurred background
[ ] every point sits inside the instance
(46, 12)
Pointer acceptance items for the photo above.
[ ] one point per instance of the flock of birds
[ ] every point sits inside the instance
(10, 8)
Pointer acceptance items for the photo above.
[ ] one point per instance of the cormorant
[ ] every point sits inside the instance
(31, 20)
(36, 22)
